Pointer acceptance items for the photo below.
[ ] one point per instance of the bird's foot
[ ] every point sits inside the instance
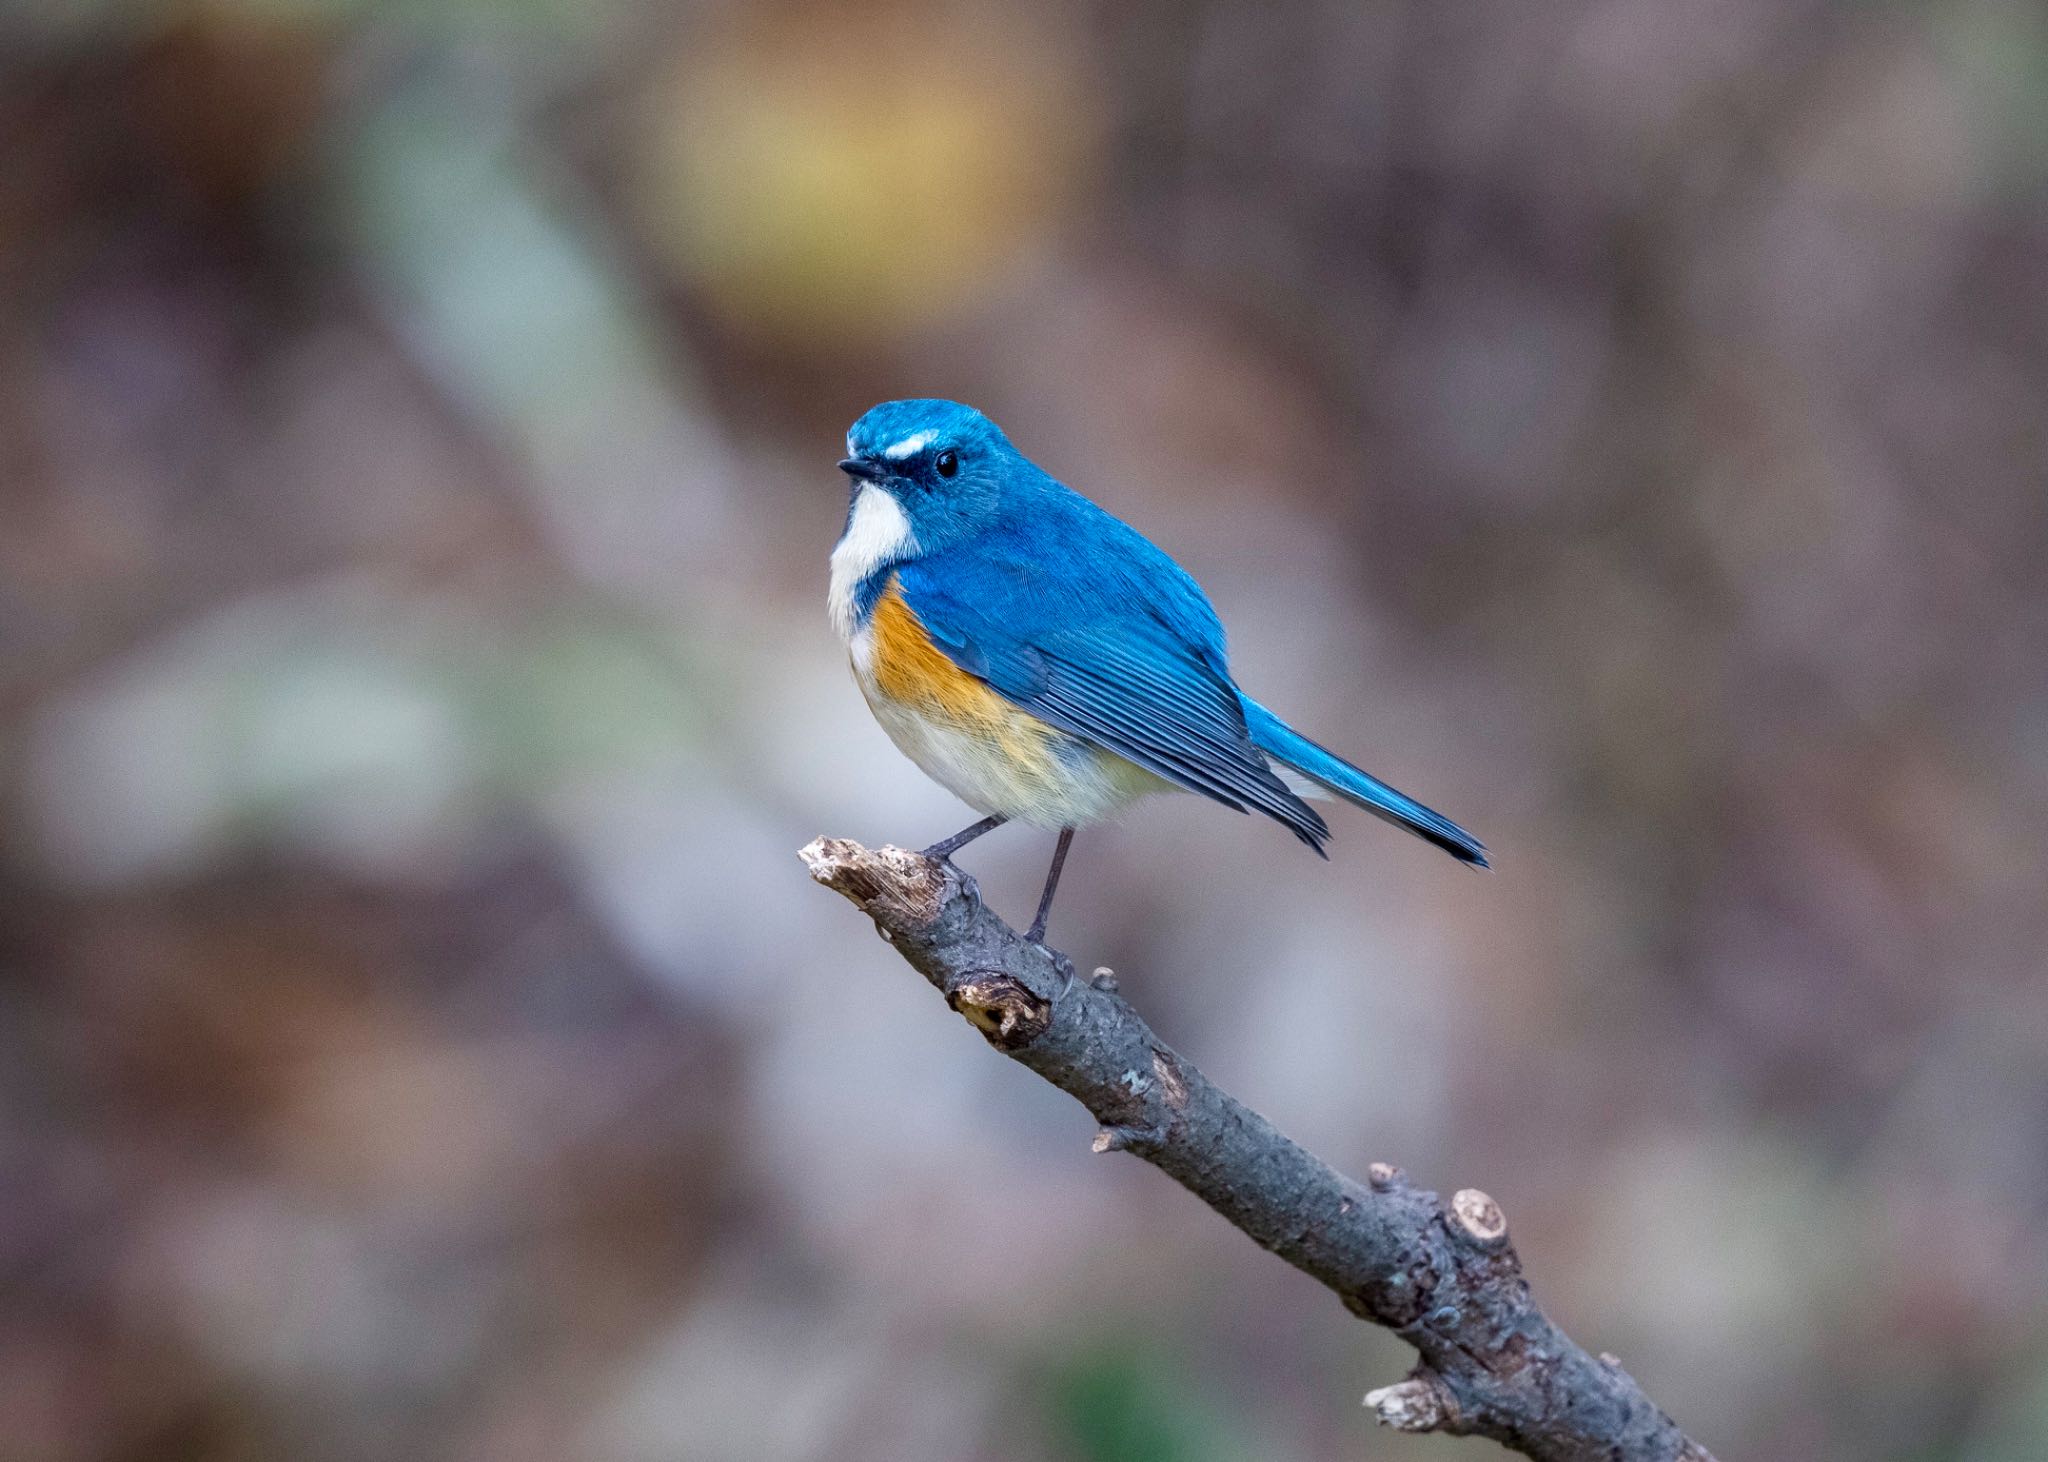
(943, 850)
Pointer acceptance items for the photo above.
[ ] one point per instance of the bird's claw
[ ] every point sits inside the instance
(1066, 968)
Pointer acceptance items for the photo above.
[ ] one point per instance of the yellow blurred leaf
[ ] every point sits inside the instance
(829, 177)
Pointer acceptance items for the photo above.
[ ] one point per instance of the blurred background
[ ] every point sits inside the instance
(1619, 424)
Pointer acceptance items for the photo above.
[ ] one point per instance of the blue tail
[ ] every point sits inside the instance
(1288, 747)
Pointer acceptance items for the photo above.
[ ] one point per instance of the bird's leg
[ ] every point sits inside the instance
(947, 847)
(1052, 882)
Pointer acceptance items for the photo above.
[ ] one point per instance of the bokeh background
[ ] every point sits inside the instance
(1619, 423)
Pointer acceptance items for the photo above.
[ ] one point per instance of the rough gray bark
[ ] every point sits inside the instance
(1444, 1277)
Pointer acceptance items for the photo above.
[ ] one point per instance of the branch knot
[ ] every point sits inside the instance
(1480, 1220)
(1001, 1008)
(1422, 1403)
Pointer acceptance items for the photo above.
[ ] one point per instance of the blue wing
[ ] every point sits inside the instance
(1078, 619)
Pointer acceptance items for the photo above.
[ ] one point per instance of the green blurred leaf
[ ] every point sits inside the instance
(2017, 1427)
(1128, 1401)
(1997, 51)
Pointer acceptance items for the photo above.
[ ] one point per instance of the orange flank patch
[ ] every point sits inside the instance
(909, 669)
(992, 754)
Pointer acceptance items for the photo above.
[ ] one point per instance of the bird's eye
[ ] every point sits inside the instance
(948, 462)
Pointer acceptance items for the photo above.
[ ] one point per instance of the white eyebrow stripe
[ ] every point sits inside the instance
(910, 446)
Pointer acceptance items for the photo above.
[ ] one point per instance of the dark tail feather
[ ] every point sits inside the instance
(1288, 747)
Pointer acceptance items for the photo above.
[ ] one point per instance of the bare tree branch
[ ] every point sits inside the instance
(1445, 1278)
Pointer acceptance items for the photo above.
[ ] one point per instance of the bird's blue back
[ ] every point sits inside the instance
(1051, 560)
(1076, 616)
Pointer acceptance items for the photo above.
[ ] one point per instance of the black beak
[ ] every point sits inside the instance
(862, 468)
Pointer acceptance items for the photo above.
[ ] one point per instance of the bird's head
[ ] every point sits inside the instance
(942, 463)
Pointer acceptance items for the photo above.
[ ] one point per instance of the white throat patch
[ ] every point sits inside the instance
(878, 533)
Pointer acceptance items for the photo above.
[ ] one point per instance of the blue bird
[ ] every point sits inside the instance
(1043, 661)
